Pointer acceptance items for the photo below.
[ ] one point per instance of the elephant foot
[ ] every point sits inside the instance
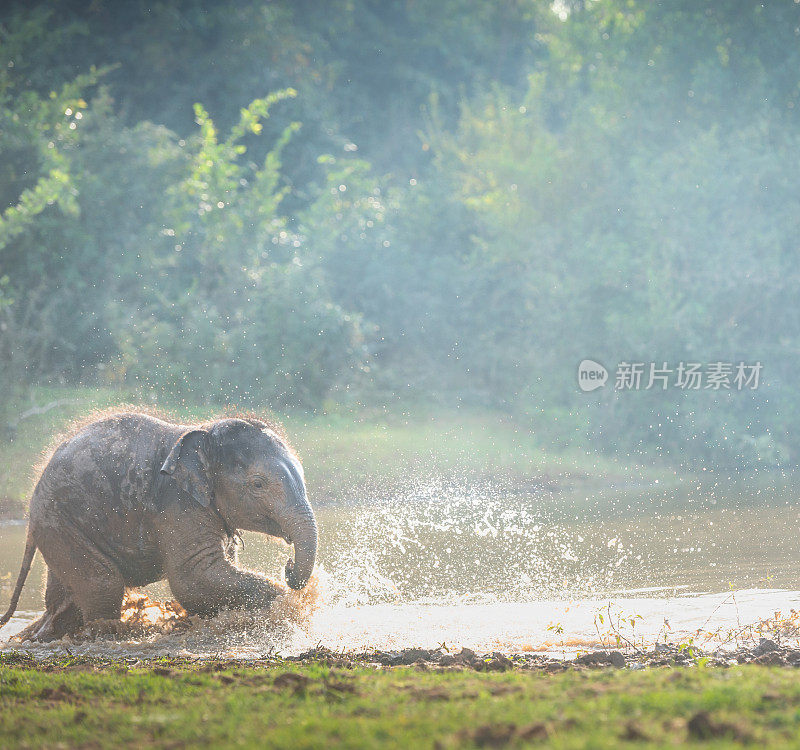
(52, 626)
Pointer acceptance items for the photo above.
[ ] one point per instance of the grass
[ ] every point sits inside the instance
(349, 455)
(71, 703)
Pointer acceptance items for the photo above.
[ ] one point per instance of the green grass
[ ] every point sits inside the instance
(74, 704)
(350, 455)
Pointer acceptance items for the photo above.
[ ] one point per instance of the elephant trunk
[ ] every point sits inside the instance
(299, 526)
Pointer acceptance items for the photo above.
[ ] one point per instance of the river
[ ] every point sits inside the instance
(501, 571)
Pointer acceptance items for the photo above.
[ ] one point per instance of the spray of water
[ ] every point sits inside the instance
(457, 544)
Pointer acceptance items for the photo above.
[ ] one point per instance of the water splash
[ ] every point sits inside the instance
(455, 543)
(160, 628)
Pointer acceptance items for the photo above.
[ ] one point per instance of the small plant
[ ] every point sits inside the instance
(557, 629)
(611, 624)
(688, 647)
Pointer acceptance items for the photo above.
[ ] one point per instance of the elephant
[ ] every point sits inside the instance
(131, 499)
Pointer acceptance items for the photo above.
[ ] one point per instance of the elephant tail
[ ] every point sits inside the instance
(27, 559)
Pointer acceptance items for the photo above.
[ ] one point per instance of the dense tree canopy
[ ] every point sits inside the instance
(301, 203)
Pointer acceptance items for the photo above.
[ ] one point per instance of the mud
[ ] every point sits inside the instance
(155, 629)
(766, 653)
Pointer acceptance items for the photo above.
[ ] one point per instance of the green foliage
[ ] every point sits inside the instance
(645, 225)
(480, 196)
(39, 138)
(248, 317)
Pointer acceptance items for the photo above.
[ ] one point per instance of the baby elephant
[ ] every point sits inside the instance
(131, 499)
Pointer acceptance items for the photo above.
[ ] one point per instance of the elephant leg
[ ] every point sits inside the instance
(86, 578)
(197, 563)
(65, 615)
(61, 615)
(222, 586)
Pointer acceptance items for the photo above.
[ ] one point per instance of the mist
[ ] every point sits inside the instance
(519, 278)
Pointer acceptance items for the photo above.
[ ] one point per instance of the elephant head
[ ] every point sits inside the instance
(254, 480)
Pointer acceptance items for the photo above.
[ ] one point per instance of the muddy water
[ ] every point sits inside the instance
(497, 570)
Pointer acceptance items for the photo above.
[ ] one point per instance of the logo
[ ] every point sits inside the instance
(591, 375)
(688, 376)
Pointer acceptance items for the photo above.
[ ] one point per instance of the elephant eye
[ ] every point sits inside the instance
(259, 484)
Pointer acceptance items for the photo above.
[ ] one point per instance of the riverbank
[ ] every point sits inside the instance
(348, 455)
(12, 509)
(329, 700)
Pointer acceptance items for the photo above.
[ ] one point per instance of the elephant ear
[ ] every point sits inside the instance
(189, 464)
